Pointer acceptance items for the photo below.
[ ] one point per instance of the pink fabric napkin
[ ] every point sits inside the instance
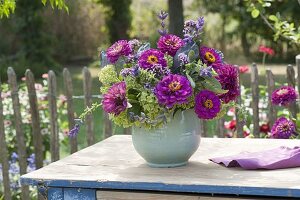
(278, 158)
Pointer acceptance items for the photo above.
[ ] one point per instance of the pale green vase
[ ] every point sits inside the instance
(171, 145)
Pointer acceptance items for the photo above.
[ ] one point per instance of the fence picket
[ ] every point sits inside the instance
(4, 154)
(270, 88)
(70, 108)
(291, 80)
(239, 122)
(35, 119)
(298, 73)
(54, 145)
(203, 127)
(12, 80)
(107, 126)
(87, 88)
(220, 127)
(255, 99)
(127, 131)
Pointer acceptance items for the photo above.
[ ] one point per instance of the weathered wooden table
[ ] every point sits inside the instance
(112, 169)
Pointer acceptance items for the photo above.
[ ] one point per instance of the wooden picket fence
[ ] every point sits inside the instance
(107, 131)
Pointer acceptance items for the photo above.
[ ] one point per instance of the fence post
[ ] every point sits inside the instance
(35, 119)
(220, 127)
(87, 88)
(292, 82)
(271, 87)
(12, 80)
(70, 109)
(239, 122)
(203, 125)
(4, 154)
(255, 99)
(107, 125)
(54, 145)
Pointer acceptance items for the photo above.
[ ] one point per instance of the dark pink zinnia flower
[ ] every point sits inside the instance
(210, 56)
(284, 96)
(283, 128)
(118, 49)
(151, 58)
(114, 101)
(173, 89)
(228, 77)
(207, 104)
(266, 50)
(169, 44)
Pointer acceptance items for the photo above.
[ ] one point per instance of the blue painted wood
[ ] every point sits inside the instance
(79, 194)
(55, 194)
(205, 189)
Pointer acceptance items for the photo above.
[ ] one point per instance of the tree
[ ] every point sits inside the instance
(118, 18)
(8, 6)
(176, 17)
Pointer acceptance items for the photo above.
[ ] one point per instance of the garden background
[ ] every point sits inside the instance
(40, 38)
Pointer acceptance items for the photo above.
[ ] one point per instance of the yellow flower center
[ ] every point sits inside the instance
(152, 59)
(174, 86)
(208, 104)
(210, 57)
(170, 42)
(282, 91)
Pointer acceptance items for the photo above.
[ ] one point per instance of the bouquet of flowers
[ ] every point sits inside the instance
(144, 86)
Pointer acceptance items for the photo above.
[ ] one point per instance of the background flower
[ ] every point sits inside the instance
(169, 44)
(114, 101)
(283, 128)
(266, 50)
(207, 104)
(151, 58)
(284, 96)
(173, 89)
(118, 49)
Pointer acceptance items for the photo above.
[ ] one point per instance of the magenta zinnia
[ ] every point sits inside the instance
(283, 128)
(169, 44)
(284, 96)
(114, 101)
(207, 104)
(228, 77)
(118, 49)
(173, 89)
(151, 58)
(210, 56)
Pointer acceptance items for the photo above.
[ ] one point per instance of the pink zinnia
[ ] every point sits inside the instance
(266, 50)
(151, 58)
(228, 77)
(284, 96)
(118, 49)
(207, 104)
(210, 56)
(173, 89)
(114, 101)
(169, 44)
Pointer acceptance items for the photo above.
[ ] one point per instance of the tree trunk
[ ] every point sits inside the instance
(245, 44)
(176, 17)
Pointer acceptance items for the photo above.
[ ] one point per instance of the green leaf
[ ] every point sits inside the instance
(191, 80)
(213, 85)
(254, 13)
(273, 18)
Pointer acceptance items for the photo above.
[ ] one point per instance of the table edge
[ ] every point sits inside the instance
(163, 187)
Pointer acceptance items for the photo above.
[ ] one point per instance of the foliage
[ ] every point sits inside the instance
(10, 132)
(118, 18)
(8, 6)
(281, 27)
